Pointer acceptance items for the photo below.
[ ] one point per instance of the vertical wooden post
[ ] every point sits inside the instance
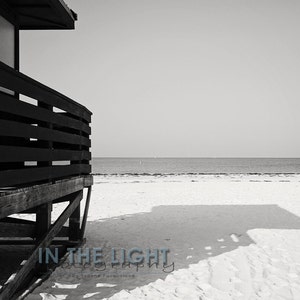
(74, 225)
(43, 223)
(79, 148)
(43, 213)
(74, 221)
(86, 210)
(46, 144)
(17, 53)
(43, 219)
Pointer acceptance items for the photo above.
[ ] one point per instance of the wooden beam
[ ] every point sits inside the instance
(9, 229)
(11, 105)
(43, 223)
(8, 290)
(43, 219)
(33, 242)
(88, 180)
(16, 221)
(27, 198)
(29, 175)
(22, 84)
(74, 225)
(18, 230)
(86, 210)
(17, 154)
(17, 129)
(66, 198)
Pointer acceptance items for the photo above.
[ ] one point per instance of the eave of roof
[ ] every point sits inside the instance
(42, 14)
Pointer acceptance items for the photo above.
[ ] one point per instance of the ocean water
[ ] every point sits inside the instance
(195, 165)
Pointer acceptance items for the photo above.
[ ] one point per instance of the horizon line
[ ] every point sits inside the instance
(201, 157)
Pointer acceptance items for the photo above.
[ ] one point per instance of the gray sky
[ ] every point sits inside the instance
(179, 78)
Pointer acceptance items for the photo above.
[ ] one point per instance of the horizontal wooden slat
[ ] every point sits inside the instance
(66, 198)
(16, 230)
(11, 105)
(22, 84)
(60, 136)
(12, 227)
(12, 220)
(19, 154)
(57, 242)
(36, 174)
(16, 129)
(26, 198)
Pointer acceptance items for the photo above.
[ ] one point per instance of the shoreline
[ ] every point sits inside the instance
(197, 173)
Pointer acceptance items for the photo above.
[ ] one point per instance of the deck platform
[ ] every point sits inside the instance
(44, 159)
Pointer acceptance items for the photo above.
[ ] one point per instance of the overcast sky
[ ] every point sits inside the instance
(179, 78)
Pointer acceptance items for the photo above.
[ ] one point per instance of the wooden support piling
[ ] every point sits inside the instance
(44, 159)
(8, 290)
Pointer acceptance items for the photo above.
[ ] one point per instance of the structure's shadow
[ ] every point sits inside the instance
(10, 259)
(192, 233)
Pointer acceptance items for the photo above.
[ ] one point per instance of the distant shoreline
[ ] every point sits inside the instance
(192, 174)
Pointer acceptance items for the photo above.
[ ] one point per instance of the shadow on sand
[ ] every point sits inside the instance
(192, 233)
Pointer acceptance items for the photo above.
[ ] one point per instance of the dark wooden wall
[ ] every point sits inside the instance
(43, 138)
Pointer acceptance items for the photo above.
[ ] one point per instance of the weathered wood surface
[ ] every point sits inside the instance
(44, 128)
(23, 199)
(12, 227)
(38, 132)
(14, 154)
(11, 105)
(22, 241)
(8, 290)
(85, 214)
(15, 129)
(25, 85)
(19, 230)
(74, 225)
(30, 175)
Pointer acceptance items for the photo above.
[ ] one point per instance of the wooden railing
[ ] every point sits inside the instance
(44, 136)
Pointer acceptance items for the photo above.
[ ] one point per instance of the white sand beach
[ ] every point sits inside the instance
(230, 237)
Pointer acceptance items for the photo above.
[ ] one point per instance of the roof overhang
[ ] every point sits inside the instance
(42, 14)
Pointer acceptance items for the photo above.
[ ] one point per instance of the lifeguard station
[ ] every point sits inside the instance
(44, 145)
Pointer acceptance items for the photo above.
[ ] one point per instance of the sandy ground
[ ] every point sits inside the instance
(229, 237)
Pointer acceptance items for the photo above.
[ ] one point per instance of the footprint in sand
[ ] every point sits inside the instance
(235, 237)
(46, 296)
(89, 295)
(208, 248)
(105, 285)
(65, 286)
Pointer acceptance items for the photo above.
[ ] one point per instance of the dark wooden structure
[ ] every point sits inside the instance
(44, 145)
